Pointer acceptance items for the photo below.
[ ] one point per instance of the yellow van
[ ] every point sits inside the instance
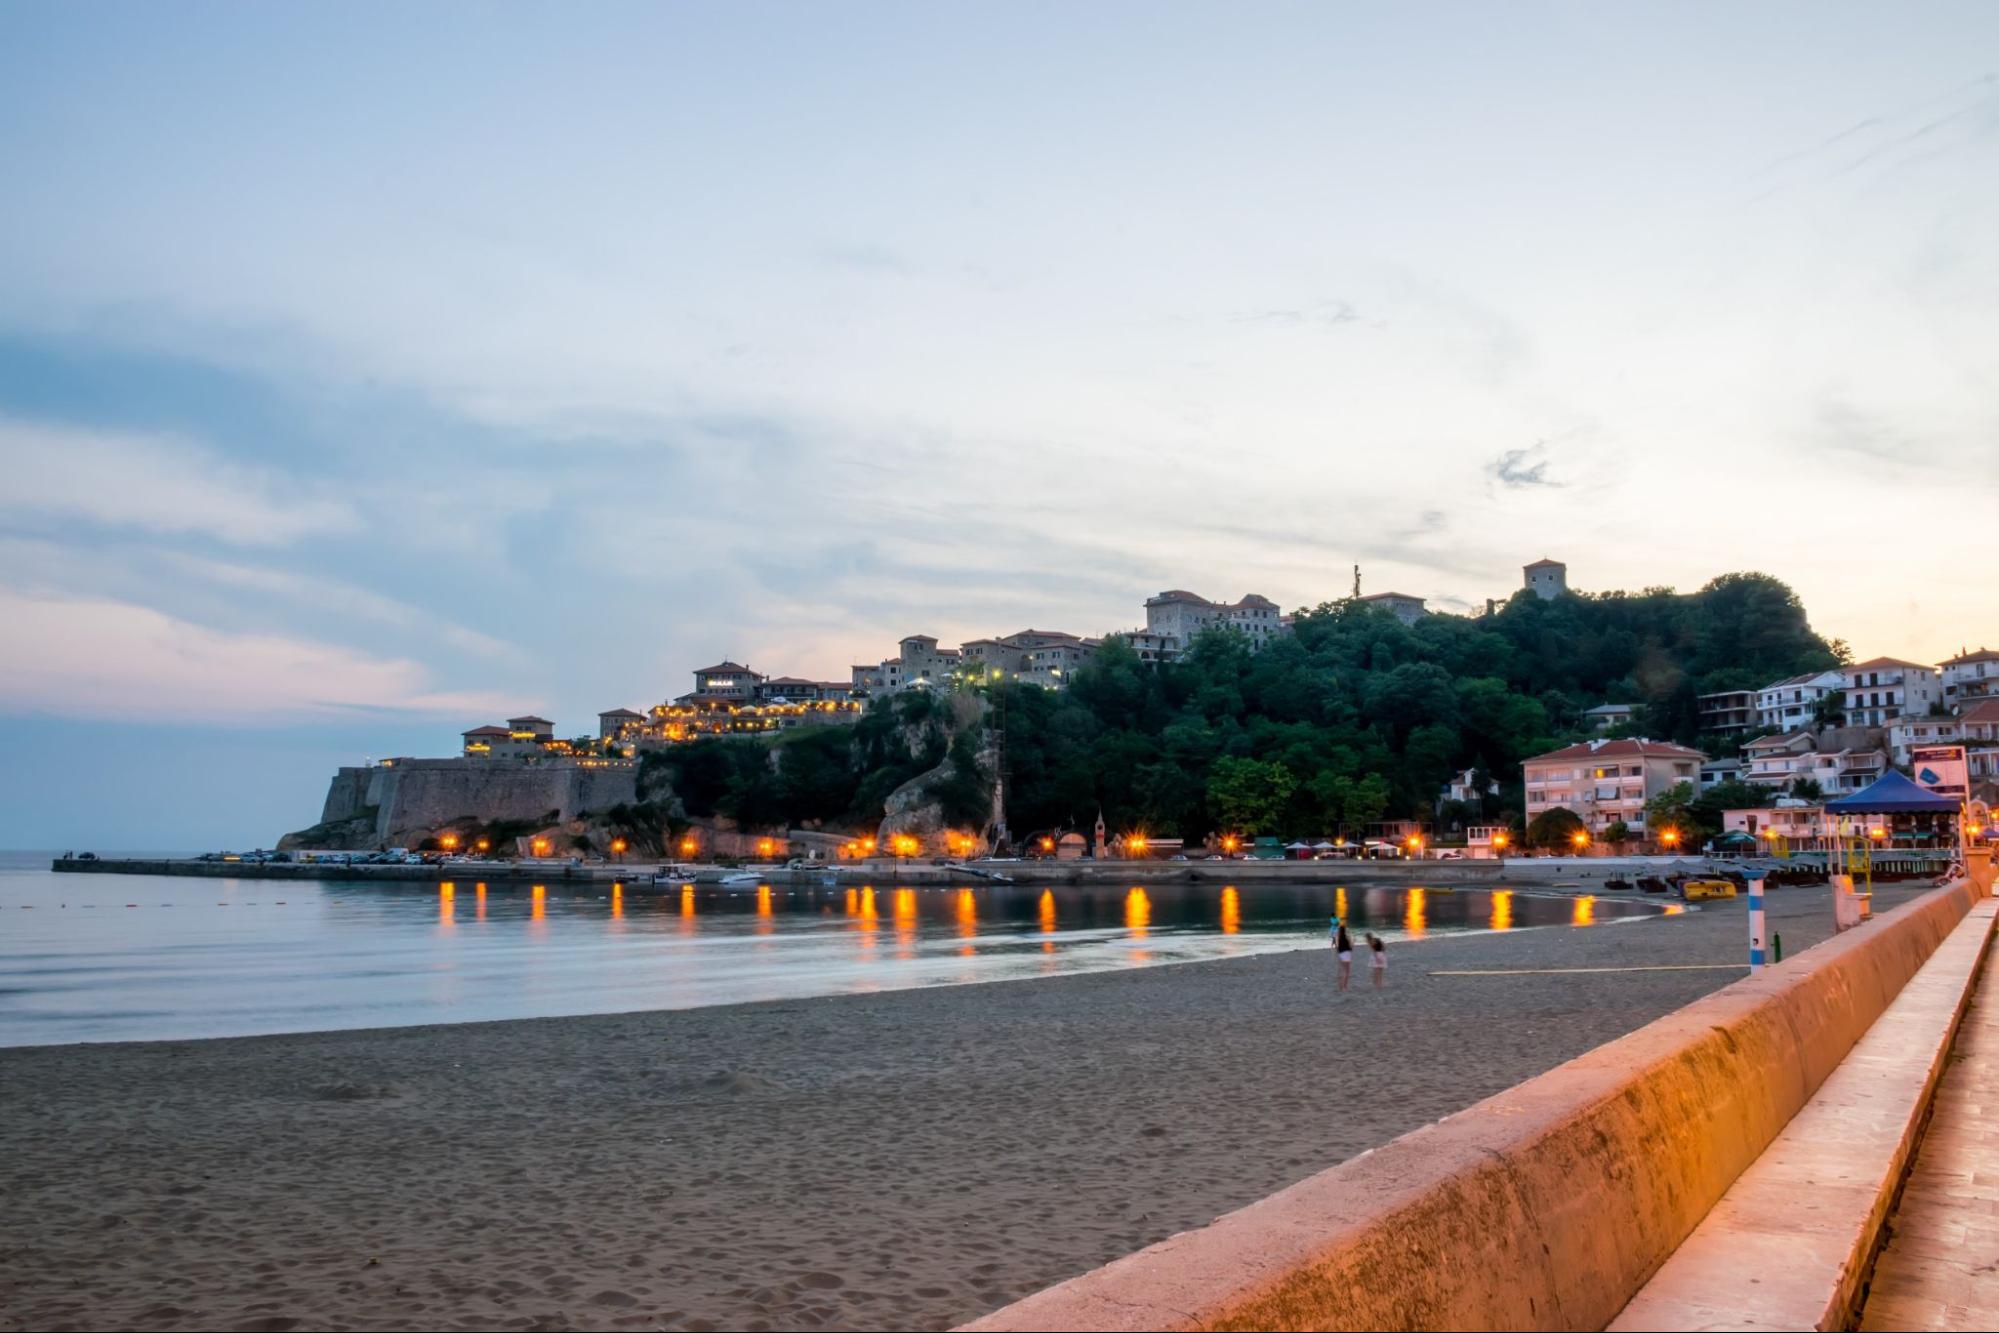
(1695, 890)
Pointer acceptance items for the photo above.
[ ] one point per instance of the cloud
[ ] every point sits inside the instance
(1325, 314)
(156, 483)
(1521, 469)
(333, 597)
(102, 659)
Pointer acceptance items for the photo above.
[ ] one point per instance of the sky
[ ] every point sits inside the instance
(369, 372)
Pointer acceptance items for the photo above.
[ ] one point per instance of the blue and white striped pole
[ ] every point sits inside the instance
(1755, 925)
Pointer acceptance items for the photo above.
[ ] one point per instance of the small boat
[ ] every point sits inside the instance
(747, 881)
(1651, 884)
(993, 875)
(1617, 882)
(1699, 890)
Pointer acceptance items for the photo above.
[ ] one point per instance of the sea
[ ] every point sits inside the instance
(143, 957)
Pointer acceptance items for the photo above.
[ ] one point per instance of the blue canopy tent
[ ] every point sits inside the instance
(1892, 794)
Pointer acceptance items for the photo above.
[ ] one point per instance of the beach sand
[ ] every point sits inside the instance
(903, 1160)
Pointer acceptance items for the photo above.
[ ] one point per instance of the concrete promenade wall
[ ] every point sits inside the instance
(1545, 1207)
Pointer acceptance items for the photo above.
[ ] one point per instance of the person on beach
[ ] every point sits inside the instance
(1377, 959)
(1343, 950)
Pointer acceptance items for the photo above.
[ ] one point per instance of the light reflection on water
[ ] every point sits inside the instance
(332, 954)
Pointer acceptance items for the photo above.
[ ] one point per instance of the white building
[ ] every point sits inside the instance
(1922, 729)
(1173, 618)
(1792, 705)
(1401, 605)
(1604, 717)
(1464, 787)
(1602, 782)
(1779, 760)
(1980, 727)
(1971, 676)
(1717, 771)
(1788, 823)
(1885, 688)
(1843, 772)
(1546, 579)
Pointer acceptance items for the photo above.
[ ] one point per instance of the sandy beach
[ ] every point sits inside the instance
(902, 1160)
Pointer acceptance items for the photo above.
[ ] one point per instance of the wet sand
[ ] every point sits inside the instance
(902, 1160)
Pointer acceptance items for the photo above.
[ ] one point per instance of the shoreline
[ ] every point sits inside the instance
(843, 1161)
(1296, 944)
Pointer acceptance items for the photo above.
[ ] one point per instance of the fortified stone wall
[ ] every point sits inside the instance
(415, 796)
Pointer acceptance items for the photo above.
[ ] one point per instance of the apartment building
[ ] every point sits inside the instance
(1792, 705)
(1885, 688)
(1727, 712)
(1969, 677)
(1604, 781)
(1779, 760)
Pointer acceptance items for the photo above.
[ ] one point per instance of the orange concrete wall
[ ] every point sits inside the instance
(1545, 1207)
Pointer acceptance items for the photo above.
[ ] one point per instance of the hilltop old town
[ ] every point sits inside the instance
(1773, 755)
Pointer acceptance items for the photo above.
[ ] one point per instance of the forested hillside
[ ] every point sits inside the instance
(1353, 717)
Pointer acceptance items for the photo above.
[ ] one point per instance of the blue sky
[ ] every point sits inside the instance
(367, 372)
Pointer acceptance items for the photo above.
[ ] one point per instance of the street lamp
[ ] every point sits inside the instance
(449, 842)
(1416, 844)
(618, 848)
(1230, 842)
(1134, 845)
(539, 846)
(1580, 839)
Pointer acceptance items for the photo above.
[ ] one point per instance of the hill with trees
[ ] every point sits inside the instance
(1351, 718)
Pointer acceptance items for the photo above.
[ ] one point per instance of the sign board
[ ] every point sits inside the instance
(1941, 769)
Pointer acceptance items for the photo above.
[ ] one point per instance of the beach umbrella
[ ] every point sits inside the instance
(1323, 846)
(1297, 846)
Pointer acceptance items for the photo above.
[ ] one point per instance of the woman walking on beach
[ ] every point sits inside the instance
(1343, 950)
(1377, 959)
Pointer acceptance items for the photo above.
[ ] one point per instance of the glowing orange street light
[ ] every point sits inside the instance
(1134, 844)
(1877, 833)
(485, 846)
(617, 846)
(1580, 839)
(1499, 841)
(1671, 837)
(1230, 842)
(763, 846)
(539, 846)
(1415, 842)
(449, 842)
(688, 846)
(1048, 844)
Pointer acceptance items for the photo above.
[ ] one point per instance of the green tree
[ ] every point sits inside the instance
(1248, 794)
(1554, 828)
(1671, 808)
(1618, 833)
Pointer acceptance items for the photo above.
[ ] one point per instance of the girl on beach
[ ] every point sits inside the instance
(1343, 950)
(1377, 961)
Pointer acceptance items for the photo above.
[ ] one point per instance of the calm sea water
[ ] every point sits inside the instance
(131, 957)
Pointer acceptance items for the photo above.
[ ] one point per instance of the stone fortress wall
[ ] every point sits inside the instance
(414, 796)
